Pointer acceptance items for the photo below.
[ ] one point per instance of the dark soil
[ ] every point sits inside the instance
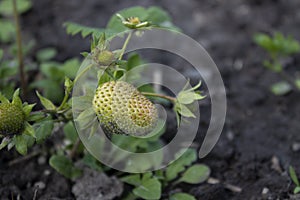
(260, 129)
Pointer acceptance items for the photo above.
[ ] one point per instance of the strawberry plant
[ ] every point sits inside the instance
(279, 48)
(123, 110)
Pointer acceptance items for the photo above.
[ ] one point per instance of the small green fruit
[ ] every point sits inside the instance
(122, 109)
(12, 119)
(105, 57)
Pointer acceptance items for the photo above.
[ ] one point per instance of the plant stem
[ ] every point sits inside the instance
(66, 97)
(172, 99)
(109, 73)
(81, 73)
(125, 45)
(24, 158)
(74, 149)
(67, 92)
(20, 51)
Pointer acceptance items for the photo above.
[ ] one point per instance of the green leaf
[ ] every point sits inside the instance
(147, 176)
(27, 109)
(138, 164)
(7, 70)
(278, 45)
(70, 132)
(6, 6)
(296, 190)
(29, 130)
(82, 102)
(149, 189)
(70, 67)
(188, 96)
(16, 98)
(182, 196)
(103, 76)
(43, 130)
(195, 174)
(46, 102)
(8, 90)
(285, 45)
(4, 142)
(185, 97)
(263, 40)
(294, 176)
(74, 28)
(53, 71)
(156, 15)
(46, 54)
(11, 145)
(90, 161)
(161, 18)
(36, 117)
(186, 159)
(281, 88)
(133, 61)
(85, 54)
(184, 110)
(22, 142)
(52, 89)
(3, 99)
(130, 196)
(64, 166)
(132, 180)
(7, 31)
(85, 118)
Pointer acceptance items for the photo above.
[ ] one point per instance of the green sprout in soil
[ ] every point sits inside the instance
(295, 179)
(279, 48)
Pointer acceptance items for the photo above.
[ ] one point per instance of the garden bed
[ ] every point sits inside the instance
(262, 131)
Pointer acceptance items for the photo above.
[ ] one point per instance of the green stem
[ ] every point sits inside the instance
(66, 97)
(82, 72)
(20, 52)
(172, 99)
(67, 92)
(125, 45)
(108, 72)
(75, 147)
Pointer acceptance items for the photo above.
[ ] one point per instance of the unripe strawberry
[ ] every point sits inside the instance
(12, 119)
(105, 57)
(122, 109)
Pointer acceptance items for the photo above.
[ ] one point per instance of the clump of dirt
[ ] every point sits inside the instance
(94, 185)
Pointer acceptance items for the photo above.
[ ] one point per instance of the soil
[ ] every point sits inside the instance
(262, 131)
